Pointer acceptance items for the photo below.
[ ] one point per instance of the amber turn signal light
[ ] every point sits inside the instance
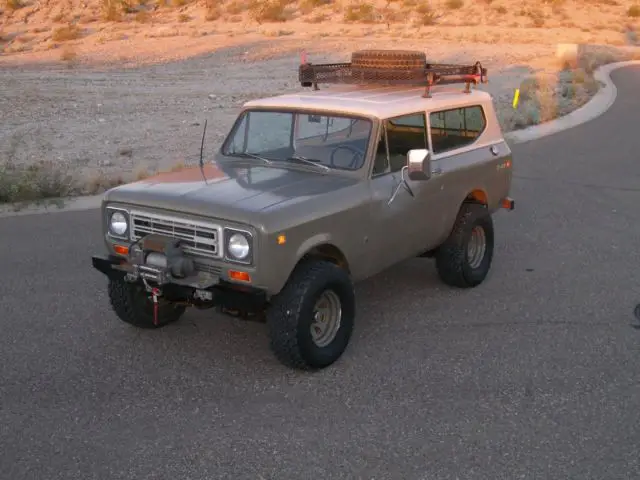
(121, 249)
(240, 276)
(508, 203)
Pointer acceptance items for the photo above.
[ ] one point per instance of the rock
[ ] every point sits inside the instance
(568, 54)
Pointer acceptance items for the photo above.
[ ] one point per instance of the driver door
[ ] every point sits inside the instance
(401, 226)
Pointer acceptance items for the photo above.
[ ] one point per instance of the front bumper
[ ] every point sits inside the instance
(201, 285)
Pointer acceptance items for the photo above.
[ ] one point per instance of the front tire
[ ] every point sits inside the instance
(464, 259)
(311, 320)
(132, 305)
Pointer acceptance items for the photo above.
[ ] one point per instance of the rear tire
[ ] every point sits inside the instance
(132, 305)
(464, 259)
(300, 337)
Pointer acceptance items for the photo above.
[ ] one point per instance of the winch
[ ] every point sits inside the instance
(155, 256)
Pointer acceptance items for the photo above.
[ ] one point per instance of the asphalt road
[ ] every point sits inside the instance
(532, 375)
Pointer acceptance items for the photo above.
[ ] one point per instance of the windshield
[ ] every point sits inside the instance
(320, 141)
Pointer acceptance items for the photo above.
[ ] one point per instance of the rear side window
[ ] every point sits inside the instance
(456, 128)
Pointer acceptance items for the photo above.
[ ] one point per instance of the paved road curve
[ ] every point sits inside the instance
(533, 375)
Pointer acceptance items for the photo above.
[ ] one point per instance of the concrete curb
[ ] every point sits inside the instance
(69, 204)
(599, 104)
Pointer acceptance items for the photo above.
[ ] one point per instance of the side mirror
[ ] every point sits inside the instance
(419, 164)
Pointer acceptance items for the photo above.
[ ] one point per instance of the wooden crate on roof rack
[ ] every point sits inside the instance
(390, 67)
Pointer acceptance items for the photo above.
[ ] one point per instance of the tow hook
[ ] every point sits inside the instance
(155, 293)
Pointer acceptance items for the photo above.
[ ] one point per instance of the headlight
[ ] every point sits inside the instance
(238, 246)
(118, 223)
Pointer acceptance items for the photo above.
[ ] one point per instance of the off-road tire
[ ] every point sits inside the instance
(370, 60)
(289, 316)
(452, 263)
(131, 304)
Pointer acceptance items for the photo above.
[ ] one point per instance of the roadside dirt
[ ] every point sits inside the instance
(120, 98)
(138, 120)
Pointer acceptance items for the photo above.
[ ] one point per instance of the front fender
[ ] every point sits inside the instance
(285, 259)
(311, 243)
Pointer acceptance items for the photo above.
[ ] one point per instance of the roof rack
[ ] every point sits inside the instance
(427, 74)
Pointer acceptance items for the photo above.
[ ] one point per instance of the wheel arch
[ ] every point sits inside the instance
(477, 195)
(325, 250)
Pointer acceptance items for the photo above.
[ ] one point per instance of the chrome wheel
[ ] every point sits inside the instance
(327, 316)
(477, 247)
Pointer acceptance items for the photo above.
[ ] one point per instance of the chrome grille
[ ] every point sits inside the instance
(198, 238)
(204, 267)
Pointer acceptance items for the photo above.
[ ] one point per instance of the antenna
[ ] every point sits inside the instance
(202, 151)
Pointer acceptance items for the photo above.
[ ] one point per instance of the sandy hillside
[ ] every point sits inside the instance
(143, 31)
(108, 90)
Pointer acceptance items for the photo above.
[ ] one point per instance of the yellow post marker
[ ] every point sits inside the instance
(516, 97)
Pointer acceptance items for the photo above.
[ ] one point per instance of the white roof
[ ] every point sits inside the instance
(374, 100)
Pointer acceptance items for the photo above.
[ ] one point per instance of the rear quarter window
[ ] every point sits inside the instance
(456, 128)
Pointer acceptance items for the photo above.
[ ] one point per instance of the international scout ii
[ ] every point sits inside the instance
(311, 192)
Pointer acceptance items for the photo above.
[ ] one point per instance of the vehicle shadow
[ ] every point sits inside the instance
(401, 297)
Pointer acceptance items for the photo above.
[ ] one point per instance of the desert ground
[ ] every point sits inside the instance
(95, 93)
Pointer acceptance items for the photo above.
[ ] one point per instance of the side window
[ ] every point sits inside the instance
(399, 135)
(456, 128)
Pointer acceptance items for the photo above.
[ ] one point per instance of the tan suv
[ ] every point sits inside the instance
(311, 192)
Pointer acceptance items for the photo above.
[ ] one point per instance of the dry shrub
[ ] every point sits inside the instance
(307, 6)
(634, 11)
(390, 16)
(317, 3)
(213, 11)
(269, 11)
(236, 7)
(112, 10)
(99, 182)
(66, 33)
(537, 17)
(68, 55)
(12, 5)
(39, 181)
(426, 15)
(455, 4)
(318, 18)
(544, 98)
(143, 17)
(360, 12)
(593, 57)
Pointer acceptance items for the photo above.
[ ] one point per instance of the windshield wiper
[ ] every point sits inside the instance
(253, 155)
(310, 162)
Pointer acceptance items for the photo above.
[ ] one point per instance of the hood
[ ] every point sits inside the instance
(246, 194)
